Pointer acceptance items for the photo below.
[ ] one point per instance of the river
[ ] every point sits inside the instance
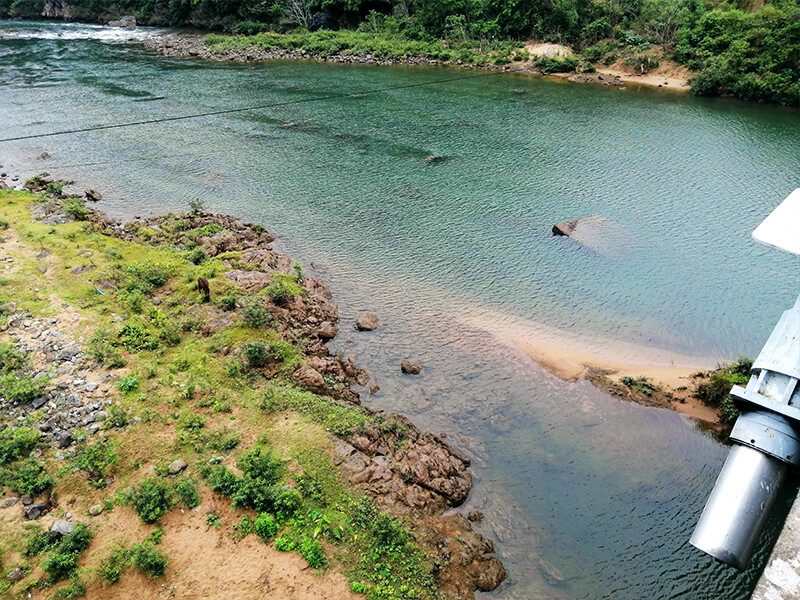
(586, 497)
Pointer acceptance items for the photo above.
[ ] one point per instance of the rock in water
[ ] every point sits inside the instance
(410, 367)
(597, 232)
(93, 195)
(367, 322)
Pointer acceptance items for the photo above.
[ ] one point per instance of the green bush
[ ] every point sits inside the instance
(62, 563)
(101, 348)
(112, 567)
(285, 544)
(266, 526)
(222, 480)
(149, 559)
(97, 460)
(16, 443)
(136, 339)
(128, 383)
(75, 589)
(12, 359)
(28, 477)
(77, 208)
(549, 65)
(284, 287)
(186, 491)
(257, 354)
(227, 302)
(312, 551)
(152, 499)
(256, 316)
(40, 542)
(21, 388)
(196, 256)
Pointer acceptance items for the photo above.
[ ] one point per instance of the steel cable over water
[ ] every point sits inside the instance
(229, 111)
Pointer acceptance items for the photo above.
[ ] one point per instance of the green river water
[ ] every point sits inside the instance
(586, 497)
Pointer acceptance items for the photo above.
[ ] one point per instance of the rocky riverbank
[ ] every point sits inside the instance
(193, 45)
(106, 341)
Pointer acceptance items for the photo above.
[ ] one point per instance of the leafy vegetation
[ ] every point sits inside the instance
(154, 497)
(715, 391)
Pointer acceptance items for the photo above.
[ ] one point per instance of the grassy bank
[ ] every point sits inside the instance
(191, 431)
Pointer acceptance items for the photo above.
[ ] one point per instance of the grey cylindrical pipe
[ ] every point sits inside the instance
(739, 505)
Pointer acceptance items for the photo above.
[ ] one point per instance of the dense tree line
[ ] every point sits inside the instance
(750, 51)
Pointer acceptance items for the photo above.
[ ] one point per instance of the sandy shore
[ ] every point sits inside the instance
(604, 362)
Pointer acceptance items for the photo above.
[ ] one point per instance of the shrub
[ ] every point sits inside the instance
(147, 276)
(96, 460)
(114, 564)
(265, 526)
(285, 544)
(136, 339)
(227, 302)
(21, 388)
(256, 316)
(550, 65)
(76, 208)
(187, 493)
(116, 416)
(148, 559)
(12, 359)
(311, 550)
(75, 589)
(257, 354)
(284, 287)
(196, 256)
(41, 542)
(101, 348)
(196, 205)
(152, 499)
(128, 383)
(63, 561)
(642, 63)
(17, 442)
(222, 480)
(28, 478)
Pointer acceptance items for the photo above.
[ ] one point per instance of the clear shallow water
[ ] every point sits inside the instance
(606, 492)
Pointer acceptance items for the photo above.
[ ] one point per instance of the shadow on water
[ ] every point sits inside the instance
(586, 496)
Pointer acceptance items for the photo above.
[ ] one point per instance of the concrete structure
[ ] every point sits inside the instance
(781, 577)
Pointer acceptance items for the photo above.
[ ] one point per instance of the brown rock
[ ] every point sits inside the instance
(327, 330)
(367, 322)
(475, 516)
(410, 368)
(310, 379)
(253, 281)
(93, 195)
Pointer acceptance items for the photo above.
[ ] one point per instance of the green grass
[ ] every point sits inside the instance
(199, 395)
(381, 45)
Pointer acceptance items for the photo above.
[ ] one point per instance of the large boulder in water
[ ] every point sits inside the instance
(597, 232)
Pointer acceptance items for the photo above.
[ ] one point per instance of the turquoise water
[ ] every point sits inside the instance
(606, 492)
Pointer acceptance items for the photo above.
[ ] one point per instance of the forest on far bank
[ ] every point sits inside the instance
(750, 49)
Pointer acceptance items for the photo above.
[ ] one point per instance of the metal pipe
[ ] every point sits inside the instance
(739, 505)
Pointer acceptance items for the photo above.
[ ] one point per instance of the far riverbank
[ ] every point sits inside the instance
(245, 49)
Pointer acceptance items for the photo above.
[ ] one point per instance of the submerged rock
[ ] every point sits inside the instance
(596, 232)
(367, 322)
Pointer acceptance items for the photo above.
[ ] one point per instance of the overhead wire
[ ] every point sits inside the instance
(228, 111)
